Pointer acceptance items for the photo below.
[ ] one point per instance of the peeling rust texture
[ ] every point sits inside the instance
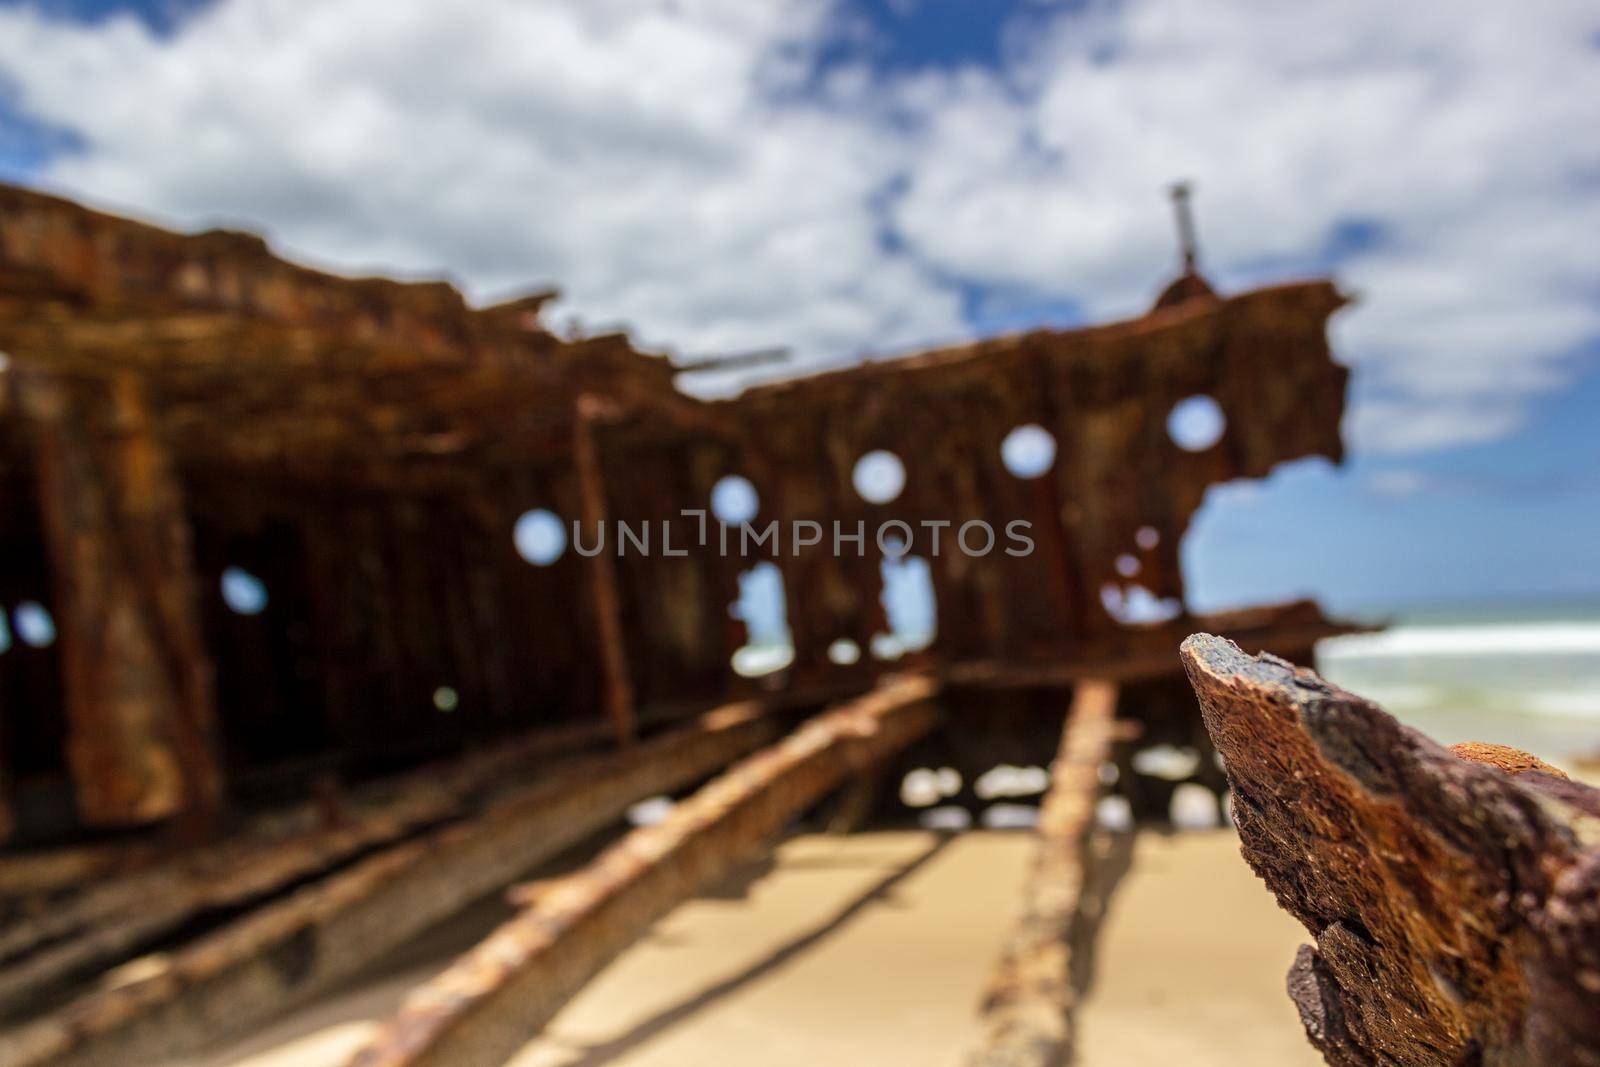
(1455, 903)
(502, 992)
(1033, 997)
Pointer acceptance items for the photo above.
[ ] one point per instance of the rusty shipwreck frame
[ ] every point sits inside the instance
(287, 787)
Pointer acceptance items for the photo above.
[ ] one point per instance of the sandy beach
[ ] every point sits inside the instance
(873, 949)
(1192, 961)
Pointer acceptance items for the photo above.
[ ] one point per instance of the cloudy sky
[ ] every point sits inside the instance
(859, 177)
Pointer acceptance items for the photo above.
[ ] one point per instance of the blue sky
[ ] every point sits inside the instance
(859, 178)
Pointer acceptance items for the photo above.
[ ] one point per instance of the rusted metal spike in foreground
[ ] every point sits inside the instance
(503, 991)
(1028, 1015)
(1455, 903)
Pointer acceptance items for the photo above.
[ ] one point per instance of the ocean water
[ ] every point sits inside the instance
(1526, 675)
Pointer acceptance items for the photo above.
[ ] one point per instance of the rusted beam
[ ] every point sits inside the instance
(8, 815)
(250, 969)
(503, 991)
(136, 681)
(1455, 903)
(158, 552)
(602, 570)
(857, 800)
(442, 789)
(53, 871)
(106, 923)
(760, 357)
(1028, 1015)
(1146, 653)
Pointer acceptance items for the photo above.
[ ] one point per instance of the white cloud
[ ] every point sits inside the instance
(659, 160)
(645, 156)
(1462, 135)
(1421, 424)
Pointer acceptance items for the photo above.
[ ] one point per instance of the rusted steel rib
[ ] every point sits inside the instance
(502, 992)
(105, 922)
(66, 867)
(1455, 903)
(1028, 1014)
(602, 572)
(279, 954)
(1146, 652)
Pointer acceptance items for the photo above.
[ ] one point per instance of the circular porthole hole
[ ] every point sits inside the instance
(243, 592)
(34, 625)
(540, 536)
(844, 652)
(1196, 423)
(879, 476)
(1028, 451)
(734, 500)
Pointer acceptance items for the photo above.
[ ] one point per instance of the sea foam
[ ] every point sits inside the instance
(1505, 639)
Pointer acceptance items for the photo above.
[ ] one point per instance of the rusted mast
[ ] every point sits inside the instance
(602, 571)
(1189, 283)
(1188, 243)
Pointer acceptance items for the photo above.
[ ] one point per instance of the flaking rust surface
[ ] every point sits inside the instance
(1455, 903)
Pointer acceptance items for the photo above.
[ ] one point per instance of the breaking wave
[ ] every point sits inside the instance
(1508, 639)
(1534, 683)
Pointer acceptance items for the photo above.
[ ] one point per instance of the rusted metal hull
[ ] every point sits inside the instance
(365, 447)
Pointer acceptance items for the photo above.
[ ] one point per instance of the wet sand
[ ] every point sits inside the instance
(873, 949)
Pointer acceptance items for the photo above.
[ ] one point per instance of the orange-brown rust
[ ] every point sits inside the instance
(602, 571)
(1508, 759)
(1455, 908)
(136, 685)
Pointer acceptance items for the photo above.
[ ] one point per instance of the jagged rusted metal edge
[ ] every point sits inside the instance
(1455, 905)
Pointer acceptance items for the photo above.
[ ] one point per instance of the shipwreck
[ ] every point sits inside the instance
(231, 798)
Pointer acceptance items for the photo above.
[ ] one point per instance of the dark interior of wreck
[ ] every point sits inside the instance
(176, 408)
